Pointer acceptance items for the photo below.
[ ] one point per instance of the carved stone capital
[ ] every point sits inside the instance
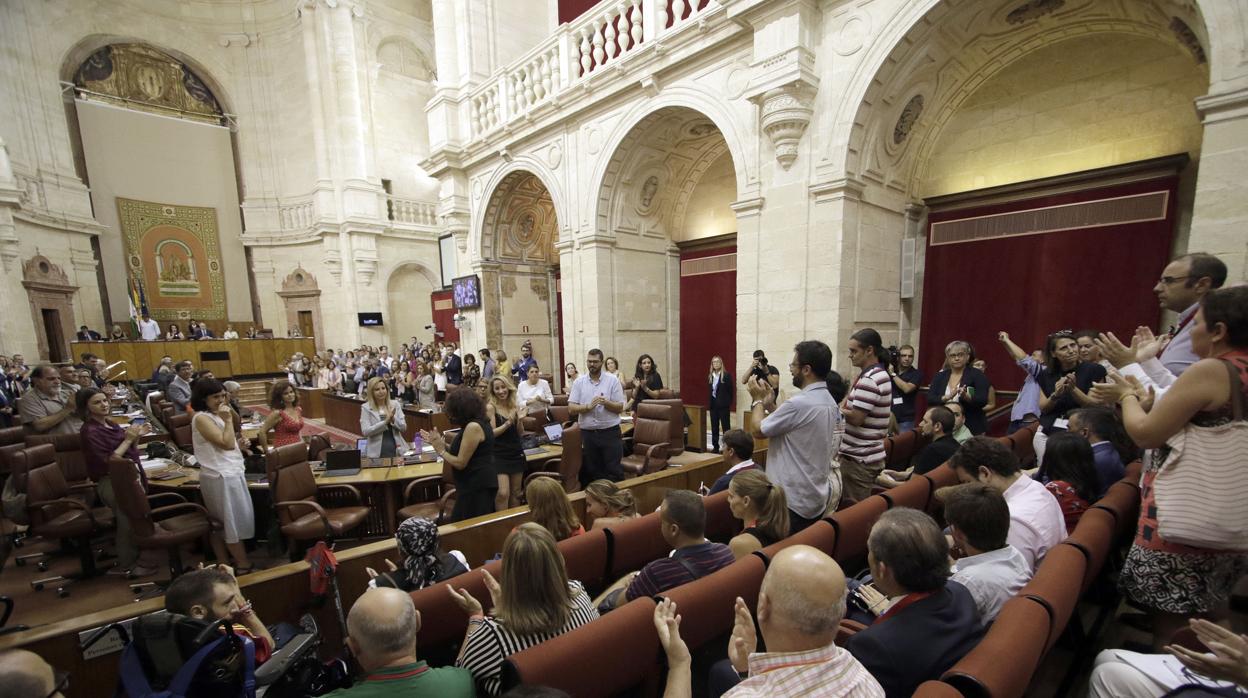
(786, 111)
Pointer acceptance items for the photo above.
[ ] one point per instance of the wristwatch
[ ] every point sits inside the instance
(756, 403)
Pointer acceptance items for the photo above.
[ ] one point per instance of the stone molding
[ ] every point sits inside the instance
(1224, 106)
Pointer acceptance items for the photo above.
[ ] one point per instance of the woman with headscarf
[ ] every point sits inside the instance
(422, 564)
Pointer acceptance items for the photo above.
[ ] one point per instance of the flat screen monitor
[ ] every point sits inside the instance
(370, 319)
(466, 291)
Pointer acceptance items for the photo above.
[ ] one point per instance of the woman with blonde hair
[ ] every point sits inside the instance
(425, 397)
(549, 506)
(382, 421)
(762, 507)
(534, 603)
(503, 413)
(607, 505)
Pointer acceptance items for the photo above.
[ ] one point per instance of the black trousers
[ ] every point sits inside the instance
(601, 450)
(798, 522)
(719, 416)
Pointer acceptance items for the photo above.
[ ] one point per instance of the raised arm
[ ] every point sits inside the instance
(1016, 352)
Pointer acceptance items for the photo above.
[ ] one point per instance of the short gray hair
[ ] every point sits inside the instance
(232, 385)
(805, 615)
(384, 635)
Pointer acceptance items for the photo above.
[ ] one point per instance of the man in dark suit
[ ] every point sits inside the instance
(925, 622)
(88, 335)
(454, 367)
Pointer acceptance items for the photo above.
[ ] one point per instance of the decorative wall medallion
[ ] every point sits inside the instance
(1188, 38)
(909, 115)
(520, 224)
(175, 258)
(554, 155)
(648, 189)
(852, 35)
(139, 77)
(476, 189)
(593, 140)
(786, 113)
(1033, 9)
(738, 79)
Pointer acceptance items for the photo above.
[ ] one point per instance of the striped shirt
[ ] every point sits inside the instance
(491, 642)
(873, 394)
(827, 672)
(668, 572)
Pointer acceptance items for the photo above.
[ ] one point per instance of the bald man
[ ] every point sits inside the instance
(800, 606)
(25, 675)
(381, 633)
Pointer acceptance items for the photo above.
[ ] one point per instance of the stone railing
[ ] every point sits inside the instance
(411, 212)
(298, 215)
(605, 35)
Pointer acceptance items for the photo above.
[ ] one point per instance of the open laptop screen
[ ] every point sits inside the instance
(342, 459)
(554, 432)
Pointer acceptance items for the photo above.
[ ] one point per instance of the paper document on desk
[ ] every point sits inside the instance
(154, 464)
(1167, 670)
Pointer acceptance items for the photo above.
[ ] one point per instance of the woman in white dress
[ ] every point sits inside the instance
(221, 480)
(382, 421)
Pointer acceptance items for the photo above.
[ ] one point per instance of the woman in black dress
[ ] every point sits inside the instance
(962, 383)
(509, 460)
(646, 381)
(470, 455)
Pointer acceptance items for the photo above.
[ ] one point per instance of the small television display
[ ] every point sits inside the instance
(370, 320)
(466, 291)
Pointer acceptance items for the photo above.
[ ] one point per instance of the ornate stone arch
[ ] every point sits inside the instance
(300, 292)
(51, 298)
(512, 191)
(940, 51)
(400, 56)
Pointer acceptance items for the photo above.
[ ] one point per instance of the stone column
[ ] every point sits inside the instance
(1219, 216)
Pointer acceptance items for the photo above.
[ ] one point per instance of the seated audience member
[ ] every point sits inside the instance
(1070, 474)
(48, 407)
(233, 388)
(800, 605)
(549, 507)
(937, 424)
(961, 383)
(86, 334)
(25, 674)
(164, 373)
(607, 505)
(989, 567)
(961, 433)
(926, 623)
(212, 594)
(738, 456)
(69, 378)
(761, 507)
(423, 564)
(230, 333)
(1036, 520)
(179, 388)
(1103, 430)
(381, 634)
(682, 521)
(1116, 673)
(118, 334)
(534, 393)
(534, 603)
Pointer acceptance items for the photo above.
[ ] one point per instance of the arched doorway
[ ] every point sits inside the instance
(407, 300)
(666, 200)
(520, 273)
(988, 116)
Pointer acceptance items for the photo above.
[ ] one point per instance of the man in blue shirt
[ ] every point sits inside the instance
(596, 400)
(1098, 425)
(1027, 405)
(520, 371)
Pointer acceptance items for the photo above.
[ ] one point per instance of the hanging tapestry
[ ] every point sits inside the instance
(174, 252)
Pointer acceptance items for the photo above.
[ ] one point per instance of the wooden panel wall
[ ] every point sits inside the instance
(247, 357)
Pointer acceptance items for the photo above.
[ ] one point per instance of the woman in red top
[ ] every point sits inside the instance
(286, 419)
(1069, 472)
(1176, 581)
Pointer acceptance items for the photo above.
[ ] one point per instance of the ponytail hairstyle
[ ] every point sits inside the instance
(618, 501)
(768, 498)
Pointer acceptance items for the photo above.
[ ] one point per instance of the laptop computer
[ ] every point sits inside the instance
(342, 462)
(554, 432)
(254, 469)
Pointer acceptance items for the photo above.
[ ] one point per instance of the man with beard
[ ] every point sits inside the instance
(801, 433)
(866, 411)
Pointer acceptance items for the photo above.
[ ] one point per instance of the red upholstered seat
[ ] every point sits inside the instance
(915, 493)
(1002, 664)
(821, 534)
(720, 526)
(634, 543)
(586, 558)
(711, 599)
(1094, 537)
(442, 621)
(1055, 587)
(617, 654)
(936, 689)
(852, 526)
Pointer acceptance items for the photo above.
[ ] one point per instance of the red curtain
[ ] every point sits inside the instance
(708, 312)
(1032, 285)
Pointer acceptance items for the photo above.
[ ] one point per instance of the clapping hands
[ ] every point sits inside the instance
(744, 638)
(1229, 658)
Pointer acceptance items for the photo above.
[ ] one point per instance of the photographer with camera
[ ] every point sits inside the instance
(763, 371)
(906, 379)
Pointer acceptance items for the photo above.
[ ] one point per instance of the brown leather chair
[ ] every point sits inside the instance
(560, 400)
(54, 515)
(318, 444)
(566, 468)
(651, 429)
(561, 414)
(534, 422)
(12, 440)
(180, 426)
(676, 426)
(167, 527)
(430, 497)
(69, 454)
(294, 491)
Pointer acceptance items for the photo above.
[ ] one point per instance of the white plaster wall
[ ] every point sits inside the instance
(408, 309)
(710, 211)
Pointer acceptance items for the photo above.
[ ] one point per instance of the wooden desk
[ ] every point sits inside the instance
(227, 358)
(313, 403)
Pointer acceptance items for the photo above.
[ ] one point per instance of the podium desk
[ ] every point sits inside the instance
(226, 358)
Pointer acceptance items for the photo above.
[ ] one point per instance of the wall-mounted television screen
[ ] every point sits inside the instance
(370, 319)
(467, 292)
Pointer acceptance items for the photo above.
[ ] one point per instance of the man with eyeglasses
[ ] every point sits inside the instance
(24, 674)
(1183, 284)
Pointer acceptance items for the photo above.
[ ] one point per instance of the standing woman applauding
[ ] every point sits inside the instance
(503, 413)
(646, 381)
(286, 419)
(962, 383)
(1064, 386)
(470, 455)
(720, 389)
(221, 480)
(382, 421)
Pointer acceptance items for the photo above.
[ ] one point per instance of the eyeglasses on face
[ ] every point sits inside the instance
(1168, 280)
